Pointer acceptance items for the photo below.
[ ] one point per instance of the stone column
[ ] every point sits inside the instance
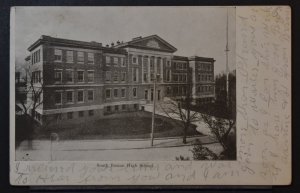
(142, 59)
(149, 69)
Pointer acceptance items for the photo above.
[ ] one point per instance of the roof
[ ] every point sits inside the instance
(182, 58)
(73, 43)
(204, 59)
(134, 41)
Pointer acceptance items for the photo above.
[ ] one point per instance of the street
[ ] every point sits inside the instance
(107, 150)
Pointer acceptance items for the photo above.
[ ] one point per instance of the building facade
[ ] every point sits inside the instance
(88, 80)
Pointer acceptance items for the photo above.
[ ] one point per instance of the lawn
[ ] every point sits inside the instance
(129, 127)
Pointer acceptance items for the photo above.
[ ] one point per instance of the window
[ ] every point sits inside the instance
(116, 76)
(80, 57)
(58, 76)
(115, 93)
(80, 76)
(116, 60)
(70, 75)
(70, 115)
(123, 92)
(168, 63)
(35, 57)
(80, 113)
(146, 94)
(123, 107)
(107, 59)
(70, 96)
(152, 63)
(116, 107)
(107, 93)
(175, 77)
(123, 76)
(184, 90)
(91, 58)
(91, 112)
(57, 55)
(36, 77)
(168, 75)
(184, 78)
(145, 76)
(135, 74)
(158, 94)
(108, 108)
(152, 76)
(145, 62)
(180, 78)
(58, 116)
(58, 97)
(107, 76)
(70, 56)
(80, 98)
(168, 90)
(158, 70)
(175, 90)
(198, 89)
(135, 106)
(90, 95)
(134, 92)
(90, 76)
(122, 62)
(134, 60)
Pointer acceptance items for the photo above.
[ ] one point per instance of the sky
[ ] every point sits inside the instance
(193, 31)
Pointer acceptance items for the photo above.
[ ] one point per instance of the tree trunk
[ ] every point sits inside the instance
(186, 126)
(30, 130)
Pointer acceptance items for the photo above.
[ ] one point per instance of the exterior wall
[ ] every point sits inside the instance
(203, 80)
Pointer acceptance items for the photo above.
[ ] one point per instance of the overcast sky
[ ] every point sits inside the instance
(192, 30)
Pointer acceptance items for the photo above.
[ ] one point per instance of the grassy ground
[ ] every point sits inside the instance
(129, 127)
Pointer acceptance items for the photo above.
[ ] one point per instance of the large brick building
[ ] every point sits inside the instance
(86, 79)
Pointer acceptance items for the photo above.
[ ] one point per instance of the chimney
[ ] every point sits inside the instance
(118, 42)
(112, 44)
(107, 45)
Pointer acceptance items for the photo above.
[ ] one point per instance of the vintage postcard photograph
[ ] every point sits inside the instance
(92, 84)
(150, 95)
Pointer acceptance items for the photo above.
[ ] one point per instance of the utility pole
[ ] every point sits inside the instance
(153, 112)
(227, 68)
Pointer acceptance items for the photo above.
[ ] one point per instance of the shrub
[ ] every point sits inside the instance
(202, 153)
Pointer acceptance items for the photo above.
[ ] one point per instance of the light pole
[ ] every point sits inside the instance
(227, 68)
(153, 112)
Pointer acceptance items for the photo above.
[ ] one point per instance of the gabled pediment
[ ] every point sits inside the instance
(153, 42)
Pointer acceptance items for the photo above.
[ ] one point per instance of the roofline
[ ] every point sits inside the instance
(76, 43)
(198, 58)
(129, 43)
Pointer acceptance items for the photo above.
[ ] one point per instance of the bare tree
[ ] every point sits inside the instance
(220, 117)
(180, 109)
(33, 91)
